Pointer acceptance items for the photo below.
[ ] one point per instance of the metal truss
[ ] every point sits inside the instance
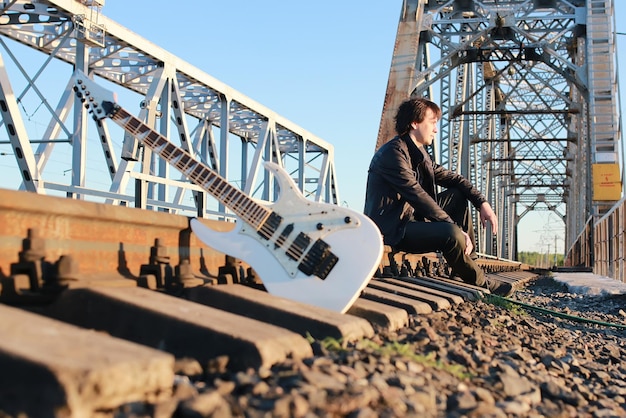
(529, 97)
(228, 131)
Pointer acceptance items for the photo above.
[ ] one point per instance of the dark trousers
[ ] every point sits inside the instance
(424, 237)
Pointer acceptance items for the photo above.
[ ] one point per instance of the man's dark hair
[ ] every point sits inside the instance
(414, 110)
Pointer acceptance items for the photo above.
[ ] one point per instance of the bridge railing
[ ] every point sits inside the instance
(580, 253)
(602, 244)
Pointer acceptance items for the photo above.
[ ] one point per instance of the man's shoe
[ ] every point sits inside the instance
(499, 288)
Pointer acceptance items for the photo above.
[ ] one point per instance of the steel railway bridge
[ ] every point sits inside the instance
(528, 88)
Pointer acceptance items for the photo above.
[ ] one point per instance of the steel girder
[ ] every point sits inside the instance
(209, 119)
(516, 88)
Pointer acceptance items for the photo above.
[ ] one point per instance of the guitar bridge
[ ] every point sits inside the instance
(319, 260)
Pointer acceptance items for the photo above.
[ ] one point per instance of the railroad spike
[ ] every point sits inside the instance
(159, 267)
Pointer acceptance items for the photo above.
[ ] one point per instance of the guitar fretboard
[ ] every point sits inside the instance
(233, 198)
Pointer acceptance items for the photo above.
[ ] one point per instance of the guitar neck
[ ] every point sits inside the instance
(233, 198)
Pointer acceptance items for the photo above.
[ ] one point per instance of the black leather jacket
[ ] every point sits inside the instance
(401, 187)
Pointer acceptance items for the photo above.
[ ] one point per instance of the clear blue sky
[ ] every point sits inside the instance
(323, 65)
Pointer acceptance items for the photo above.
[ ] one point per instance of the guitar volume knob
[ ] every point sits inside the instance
(347, 220)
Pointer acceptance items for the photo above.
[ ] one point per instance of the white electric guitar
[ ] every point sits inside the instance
(310, 252)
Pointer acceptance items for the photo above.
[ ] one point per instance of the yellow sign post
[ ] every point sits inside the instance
(607, 183)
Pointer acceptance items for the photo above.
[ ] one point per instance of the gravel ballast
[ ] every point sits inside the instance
(488, 358)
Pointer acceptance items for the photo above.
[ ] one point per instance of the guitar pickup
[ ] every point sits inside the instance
(319, 260)
(270, 225)
(297, 247)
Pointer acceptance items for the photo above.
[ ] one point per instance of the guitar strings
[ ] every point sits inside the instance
(253, 213)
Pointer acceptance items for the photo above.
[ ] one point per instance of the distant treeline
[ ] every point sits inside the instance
(540, 259)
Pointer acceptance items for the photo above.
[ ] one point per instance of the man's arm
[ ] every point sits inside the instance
(448, 178)
(488, 215)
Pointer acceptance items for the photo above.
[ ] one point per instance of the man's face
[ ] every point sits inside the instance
(424, 133)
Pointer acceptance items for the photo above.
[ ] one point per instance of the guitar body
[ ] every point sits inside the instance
(358, 246)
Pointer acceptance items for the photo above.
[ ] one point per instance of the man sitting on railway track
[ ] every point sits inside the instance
(401, 197)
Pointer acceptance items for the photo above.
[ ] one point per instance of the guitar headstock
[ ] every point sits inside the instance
(101, 101)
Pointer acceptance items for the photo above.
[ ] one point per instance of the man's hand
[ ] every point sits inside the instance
(468, 243)
(488, 215)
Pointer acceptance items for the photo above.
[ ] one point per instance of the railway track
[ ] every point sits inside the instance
(96, 311)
